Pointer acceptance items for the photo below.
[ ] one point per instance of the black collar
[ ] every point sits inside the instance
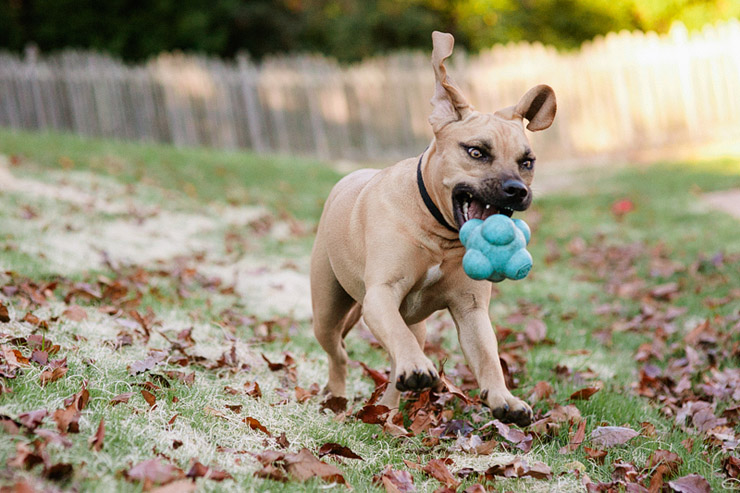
(428, 200)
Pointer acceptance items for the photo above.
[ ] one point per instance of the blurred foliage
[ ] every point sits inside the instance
(346, 29)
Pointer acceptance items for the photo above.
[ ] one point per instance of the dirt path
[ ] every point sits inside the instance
(79, 221)
(727, 201)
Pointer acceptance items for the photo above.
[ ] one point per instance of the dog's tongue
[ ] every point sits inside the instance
(478, 210)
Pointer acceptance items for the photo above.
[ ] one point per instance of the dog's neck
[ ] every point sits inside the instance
(428, 201)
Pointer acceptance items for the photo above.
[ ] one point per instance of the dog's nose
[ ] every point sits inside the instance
(515, 190)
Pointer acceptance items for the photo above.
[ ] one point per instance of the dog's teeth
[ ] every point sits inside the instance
(488, 206)
(465, 210)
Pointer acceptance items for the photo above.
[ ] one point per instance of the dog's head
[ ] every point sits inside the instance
(481, 163)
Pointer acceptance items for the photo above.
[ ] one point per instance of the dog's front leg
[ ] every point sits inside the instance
(410, 368)
(480, 348)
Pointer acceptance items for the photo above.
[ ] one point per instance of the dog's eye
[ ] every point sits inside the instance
(475, 153)
(527, 164)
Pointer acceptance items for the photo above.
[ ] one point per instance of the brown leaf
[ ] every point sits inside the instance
(25, 458)
(75, 313)
(67, 420)
(271, 472)
(198, 470)
(40, 357)
(395, 481)
(256, 425)
(32, 419)
(519, 468)
(609, 436)
(453, 389)
(731, 466)
(542, 390)
(522, 440)
(153, 471)
(149, 398)
(48, 376)
(693, 483)
(576, 440)
(595, 455)
(13, 357)
(336, 449)
(51, 436)
(373, 414)
(334, 404)
(585, 393)
(304, 465)
(96, 441)
(78, 400)
(253, 389)
(395, 430)
(302, 395)
(437, 468)
(155, 357)
(121, 398)
(378, 377)
(670, 459)
(4, 315)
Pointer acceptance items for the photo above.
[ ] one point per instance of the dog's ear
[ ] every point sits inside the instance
(538, 107)
(448, 102)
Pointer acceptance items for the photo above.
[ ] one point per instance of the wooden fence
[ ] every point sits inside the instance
(622, 92)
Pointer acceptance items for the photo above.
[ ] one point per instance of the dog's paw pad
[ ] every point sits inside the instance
(512, 410)
(417, 380)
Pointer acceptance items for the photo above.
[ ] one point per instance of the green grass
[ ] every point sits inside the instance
(563, 291)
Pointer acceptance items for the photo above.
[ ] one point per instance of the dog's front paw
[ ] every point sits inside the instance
(417, 377)
(507, 408)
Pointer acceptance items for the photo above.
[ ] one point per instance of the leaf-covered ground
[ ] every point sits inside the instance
(155, 334)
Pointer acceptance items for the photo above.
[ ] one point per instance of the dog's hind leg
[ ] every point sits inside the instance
(334, 314)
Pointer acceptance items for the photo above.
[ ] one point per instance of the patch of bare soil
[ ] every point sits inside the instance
(727, 201)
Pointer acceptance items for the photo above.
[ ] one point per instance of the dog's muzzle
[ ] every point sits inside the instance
(494, 197)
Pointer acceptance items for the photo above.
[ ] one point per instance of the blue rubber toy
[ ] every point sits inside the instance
(496, 248)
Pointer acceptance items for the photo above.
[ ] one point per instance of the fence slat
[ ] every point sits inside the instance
(619, 93)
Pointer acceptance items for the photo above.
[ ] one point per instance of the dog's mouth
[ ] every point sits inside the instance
(468, 204)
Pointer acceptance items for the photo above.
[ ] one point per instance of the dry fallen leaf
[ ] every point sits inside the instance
(395, 481)
(32, 419)
(153, 471)
(155, 357)
(609, 436)
(519, 468)
(48, 376)
(198, 470)
(121, 398)
(585, 393)
(256, 425)
(336, 449)
(373, 414)
(96, 441)
(437, 468)
(149, 398)
(576, 440)
(302, 466)
(693, 483)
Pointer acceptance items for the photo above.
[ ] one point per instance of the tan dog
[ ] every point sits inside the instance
(387, 246)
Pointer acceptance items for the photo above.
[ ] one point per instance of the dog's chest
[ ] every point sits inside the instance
(425, 296)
